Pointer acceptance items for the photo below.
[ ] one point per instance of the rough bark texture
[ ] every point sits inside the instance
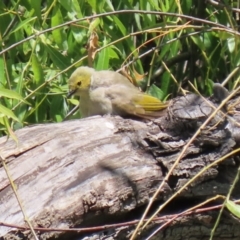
(104, 170)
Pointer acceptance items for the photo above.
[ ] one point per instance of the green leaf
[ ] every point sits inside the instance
(223, 35)
(137, 18)
(93, 25)
(155, 4)
(120, 25)
(9, 129)
(8, 113)
(36, 5)
(78, 35)
(58, 59)
(11, 94)
(67, 4)
(233, 208)
(187, 6)
(93, 4)
(112, 54)
(110, 6)
(56, 20)
(77, 7)
(23, 24)
(197, 40)
(231, 44)
(155, 92)
(103, 58)
(2, 71)
(203, 41)
(73, 101)
(57, 111)
(37, 70)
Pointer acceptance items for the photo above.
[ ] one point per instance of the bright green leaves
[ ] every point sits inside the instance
(2, 75)
(231, 44)
(56, 20)
(10, 94)
(36, 5)
(120, 25)
(37, 71)
(93, 4)
(6, 113)
(233, 208)
(58, 59)
(103, 58)
(93, 25)
(156, 92)
(23, 24)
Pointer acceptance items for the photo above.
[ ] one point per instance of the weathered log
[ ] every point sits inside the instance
(103, 170)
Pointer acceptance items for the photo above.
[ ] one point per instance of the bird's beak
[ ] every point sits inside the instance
(71, 92)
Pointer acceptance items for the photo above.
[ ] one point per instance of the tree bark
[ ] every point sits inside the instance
(103, 170)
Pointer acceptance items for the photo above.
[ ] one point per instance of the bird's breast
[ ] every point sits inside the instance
(95, 103)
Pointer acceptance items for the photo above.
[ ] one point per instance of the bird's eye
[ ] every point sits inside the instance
(79, 83)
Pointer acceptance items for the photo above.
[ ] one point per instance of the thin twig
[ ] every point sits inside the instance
(222, 5)
(168, 218)
(184, 213)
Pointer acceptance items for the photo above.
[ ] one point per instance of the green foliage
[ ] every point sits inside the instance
(43, 48)
(233, 208)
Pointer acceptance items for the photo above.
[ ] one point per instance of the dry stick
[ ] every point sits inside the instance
(122, 12)
(18, 199)
(175, 164)
(191, 211)
(218, 4)
(227, 198)
(98, 228)
(195, 177)
(229, 76)
(184, 213)
(191, 181)
(174, 79)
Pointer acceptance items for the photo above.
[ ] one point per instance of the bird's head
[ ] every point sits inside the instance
(80, 81)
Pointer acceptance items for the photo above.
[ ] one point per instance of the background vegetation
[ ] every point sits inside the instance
(164, 49)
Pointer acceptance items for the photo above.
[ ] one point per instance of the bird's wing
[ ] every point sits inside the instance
(149, 103)
(151, 106)
(131, 101)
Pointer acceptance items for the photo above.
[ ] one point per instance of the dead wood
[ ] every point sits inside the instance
(103, 170)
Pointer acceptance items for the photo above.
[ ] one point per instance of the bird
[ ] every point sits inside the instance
(107, 92)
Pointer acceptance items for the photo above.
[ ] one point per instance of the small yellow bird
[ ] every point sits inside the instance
(108, 92)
